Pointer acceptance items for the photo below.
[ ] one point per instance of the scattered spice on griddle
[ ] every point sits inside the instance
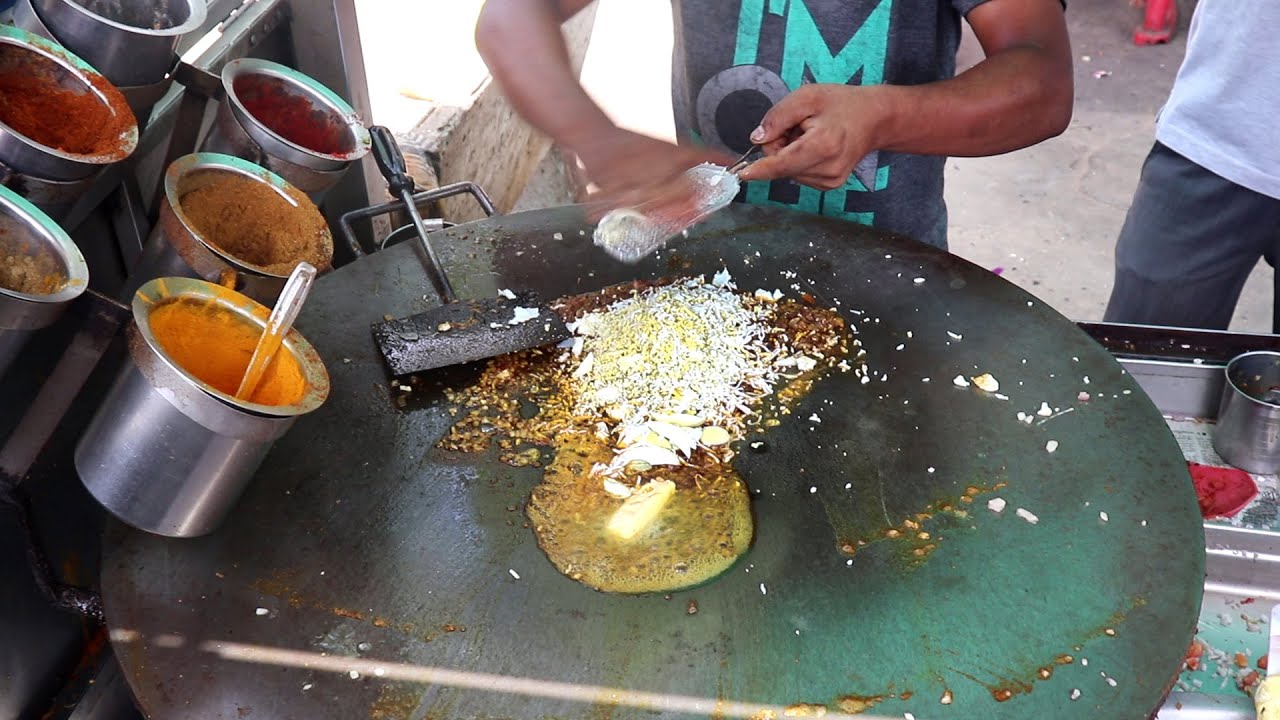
(34, 103)
(250, 221)
(214, 345)
(1001, 694)
(292, 115)
(692, 609)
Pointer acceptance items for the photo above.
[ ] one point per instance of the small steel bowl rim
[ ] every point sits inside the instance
(314, 89)
(161, 291)
(54, 237)
(229, 163)
(197, 12)
(82, 71)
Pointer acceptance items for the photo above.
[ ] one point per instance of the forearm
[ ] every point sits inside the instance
(520, 41)
(1014, 99)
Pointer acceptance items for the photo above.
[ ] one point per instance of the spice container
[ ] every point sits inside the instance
(59, 118)
(221, 214)
(1248, 430)
(288, 123)
(171, 449)
(41, 272)
(141, 98)
(131, 42)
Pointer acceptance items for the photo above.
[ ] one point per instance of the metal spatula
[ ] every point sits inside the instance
(457, 332)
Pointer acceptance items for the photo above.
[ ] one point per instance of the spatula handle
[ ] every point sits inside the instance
(386, 152)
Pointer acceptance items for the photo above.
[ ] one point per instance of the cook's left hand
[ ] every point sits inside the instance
(816, 135)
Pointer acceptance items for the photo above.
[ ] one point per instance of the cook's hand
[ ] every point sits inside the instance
(816, 135)
(631, 169)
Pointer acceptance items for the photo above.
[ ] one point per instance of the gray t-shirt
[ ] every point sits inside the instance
(1222, 114)
(733, 59)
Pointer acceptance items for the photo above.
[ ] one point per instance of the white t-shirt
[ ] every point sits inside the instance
(1224, 112)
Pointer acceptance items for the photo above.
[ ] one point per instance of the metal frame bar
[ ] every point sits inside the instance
(427, 196)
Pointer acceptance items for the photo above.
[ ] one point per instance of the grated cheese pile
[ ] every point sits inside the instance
(684, 349)
(677, 367)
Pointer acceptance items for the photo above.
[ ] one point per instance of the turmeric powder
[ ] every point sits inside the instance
(214, 345)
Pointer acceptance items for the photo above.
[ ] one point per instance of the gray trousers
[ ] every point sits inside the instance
(1188, 244)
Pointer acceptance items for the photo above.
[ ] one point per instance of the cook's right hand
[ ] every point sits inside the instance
(631, 169)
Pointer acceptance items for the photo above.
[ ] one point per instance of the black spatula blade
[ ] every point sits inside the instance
(466, 331)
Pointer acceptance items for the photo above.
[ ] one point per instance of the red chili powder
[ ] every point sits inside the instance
(292, 116)
(33, 104)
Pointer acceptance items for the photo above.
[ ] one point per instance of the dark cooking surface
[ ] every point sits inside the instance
(358, 538)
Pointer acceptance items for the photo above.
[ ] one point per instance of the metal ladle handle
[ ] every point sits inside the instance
(286, 310)
(386, 153)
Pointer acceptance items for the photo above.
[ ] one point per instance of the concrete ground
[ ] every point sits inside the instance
(1047, 215)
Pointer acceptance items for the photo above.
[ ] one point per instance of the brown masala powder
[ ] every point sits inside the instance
(250, 221)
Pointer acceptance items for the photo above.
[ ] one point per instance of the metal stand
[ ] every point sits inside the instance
(67, 668)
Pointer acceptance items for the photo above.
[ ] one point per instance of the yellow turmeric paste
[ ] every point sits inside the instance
(215, 345)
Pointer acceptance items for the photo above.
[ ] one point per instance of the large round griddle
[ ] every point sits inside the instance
(359, 539)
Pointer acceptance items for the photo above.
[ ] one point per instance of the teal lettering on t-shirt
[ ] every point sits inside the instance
(805, 50)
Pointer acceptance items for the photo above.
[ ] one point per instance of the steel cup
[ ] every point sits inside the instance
(237, 131)
(167, 452)
(175, 248)
(1248, 430)
(131, 42)
(26, 232)
(24, 53)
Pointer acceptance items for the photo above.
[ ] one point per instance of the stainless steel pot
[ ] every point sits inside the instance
(26, 53)
(1248, 430)
(167, 452)
(175, 248)
(141, 98)
(26, 232)
(131, 42)
(237, 131)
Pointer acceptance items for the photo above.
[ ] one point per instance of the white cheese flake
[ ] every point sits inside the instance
(514, 574)
(506, 294)
(262, 611)
(996, 505)
(1045, 410)
(1027, 515)
(954, 336)
(814, 418)
(1104, 516)
(523, 315)
(1051, 446)
(763, 589)
(960, 381)
(986, 382)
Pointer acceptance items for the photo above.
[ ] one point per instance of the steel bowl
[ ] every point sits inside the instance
(27, 231)
(131, 42)
(176, 248)
(21, 51)
(253, 75)
(167, 452)
(1248, 430)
